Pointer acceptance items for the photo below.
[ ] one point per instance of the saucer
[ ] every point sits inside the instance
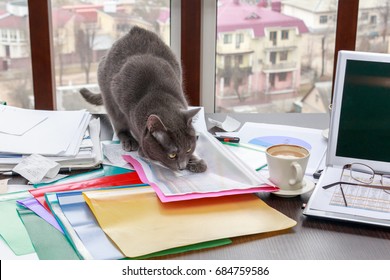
(309, 185)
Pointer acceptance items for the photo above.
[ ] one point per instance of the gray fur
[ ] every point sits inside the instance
(140, 81)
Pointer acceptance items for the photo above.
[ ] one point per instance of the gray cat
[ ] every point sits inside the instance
(140, 81)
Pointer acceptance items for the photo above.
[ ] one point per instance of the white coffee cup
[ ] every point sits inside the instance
(287, 165)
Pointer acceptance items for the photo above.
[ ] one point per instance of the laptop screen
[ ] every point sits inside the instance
(364, 126)
(360, 121)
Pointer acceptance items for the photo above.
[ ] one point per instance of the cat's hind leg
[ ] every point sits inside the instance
(196, 164)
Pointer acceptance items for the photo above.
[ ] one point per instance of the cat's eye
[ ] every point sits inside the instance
(172, 156)
(189, 150)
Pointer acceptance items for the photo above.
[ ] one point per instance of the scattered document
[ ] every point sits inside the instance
(229, 124)
(113, 152)
(60, 134)
(18, 121)
(88, 156)
(35, 167)
(4, 186)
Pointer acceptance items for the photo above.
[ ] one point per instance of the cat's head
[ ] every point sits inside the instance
(170, 144)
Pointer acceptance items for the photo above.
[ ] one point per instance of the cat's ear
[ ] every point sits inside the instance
(156, 127)
(189, 114)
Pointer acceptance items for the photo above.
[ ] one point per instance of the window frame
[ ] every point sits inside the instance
(195, 14)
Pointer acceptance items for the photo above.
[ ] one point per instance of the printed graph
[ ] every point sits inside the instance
(361, 197)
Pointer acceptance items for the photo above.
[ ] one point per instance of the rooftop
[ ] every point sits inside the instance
(235, 15)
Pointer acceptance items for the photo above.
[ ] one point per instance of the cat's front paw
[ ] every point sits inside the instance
(129, 144)
(197, 166)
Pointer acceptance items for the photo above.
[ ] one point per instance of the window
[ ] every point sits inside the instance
(15, 56)
(373, 19)
(323, 19)
(82, 34)
(284, 34)
(283, 55)
(239, 39)
(282, 77)
(273, 37)
(190, 29)
(227, 38)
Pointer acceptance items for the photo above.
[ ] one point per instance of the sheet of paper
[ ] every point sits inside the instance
(60, 134)
(229, 124)
(114, 152)
(232, 176)
(4, 186)
(35, 167)
(18, 121)
(140, 224)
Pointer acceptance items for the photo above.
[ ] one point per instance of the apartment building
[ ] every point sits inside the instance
(258, 56)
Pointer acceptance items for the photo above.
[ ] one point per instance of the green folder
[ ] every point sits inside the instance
(49, 243)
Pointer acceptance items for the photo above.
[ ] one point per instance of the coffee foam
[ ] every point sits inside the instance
(287, 154)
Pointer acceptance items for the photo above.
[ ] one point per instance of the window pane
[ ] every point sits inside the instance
(82, 34)
(283, 61)
(15, 56)
(373, 26)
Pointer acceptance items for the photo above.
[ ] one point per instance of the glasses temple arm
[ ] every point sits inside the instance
(356, 184)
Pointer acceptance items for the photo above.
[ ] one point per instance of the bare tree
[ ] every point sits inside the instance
(85, 38)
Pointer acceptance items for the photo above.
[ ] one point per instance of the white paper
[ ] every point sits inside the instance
(4, 186)
(16, 121)
(35, 167)
(229, 124)
(113, 152)
(59, 135)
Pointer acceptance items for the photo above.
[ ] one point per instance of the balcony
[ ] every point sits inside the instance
(281, 66)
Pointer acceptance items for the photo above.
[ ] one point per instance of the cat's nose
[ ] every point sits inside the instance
(182, 165)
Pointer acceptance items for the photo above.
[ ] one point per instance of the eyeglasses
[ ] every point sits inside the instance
(364, 176)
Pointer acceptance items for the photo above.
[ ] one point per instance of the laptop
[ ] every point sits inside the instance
(359, 136)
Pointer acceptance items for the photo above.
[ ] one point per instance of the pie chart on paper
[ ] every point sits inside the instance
(266, 141)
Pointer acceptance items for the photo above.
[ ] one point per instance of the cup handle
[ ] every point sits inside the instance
(298, 173)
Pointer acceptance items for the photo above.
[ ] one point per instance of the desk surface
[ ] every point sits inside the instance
(311, 238)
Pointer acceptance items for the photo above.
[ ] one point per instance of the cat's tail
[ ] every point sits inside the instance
(90, 97)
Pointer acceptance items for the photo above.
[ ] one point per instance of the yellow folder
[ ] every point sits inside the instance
(139, 224)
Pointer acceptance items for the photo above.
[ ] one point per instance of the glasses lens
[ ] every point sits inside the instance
(386, 180)
(362, 173)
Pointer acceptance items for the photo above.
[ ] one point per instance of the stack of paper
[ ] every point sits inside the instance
(70, 138)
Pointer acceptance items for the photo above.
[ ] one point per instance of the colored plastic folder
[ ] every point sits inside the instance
(49, 243)
(106, 170)
(157, 183)
(115, 180)
(12, 229)
(140, 224)
(226, 174)
(34, 205)
(89, 239)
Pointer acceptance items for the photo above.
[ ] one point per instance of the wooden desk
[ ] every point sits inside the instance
(313, 239)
